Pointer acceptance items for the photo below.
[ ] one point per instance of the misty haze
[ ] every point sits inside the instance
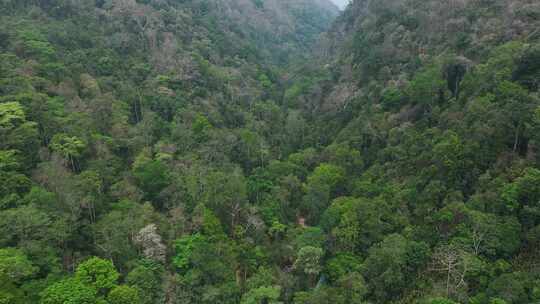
(341, 3)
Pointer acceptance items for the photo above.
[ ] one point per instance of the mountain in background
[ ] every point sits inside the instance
(280, 29)
(342, 4)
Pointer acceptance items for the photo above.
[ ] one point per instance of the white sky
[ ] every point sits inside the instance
(341, 3)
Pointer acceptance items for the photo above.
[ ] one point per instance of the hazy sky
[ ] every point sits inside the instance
(341, 3)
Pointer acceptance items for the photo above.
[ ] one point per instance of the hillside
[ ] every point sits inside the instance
(280, 28)
(122, 120)
(439, 100)
(269, 151)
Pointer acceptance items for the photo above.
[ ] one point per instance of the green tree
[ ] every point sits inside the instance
(428, 86)
(268, 294)
(70, 147)
(527, 71)
(15, 269)
(97, 273)
(35, 45)
(152, 176)
(184, 250)
(123, 295)
(518, 106)
(390, 265)
(325, 181)
(11, 115)
(327, 174)
(225, 194)
(308, 262)
(450, 157)
(24, 224)
(341, 265)
(522, 196)
(69, 291)
(356, 222)
(201, 128)
(15, 266)
(510, 287)
(15, 130)
(441, 301)
(344, 156)
(146, 277)
(13, 184)
(115, 230)
(354, 288)
(207, 268)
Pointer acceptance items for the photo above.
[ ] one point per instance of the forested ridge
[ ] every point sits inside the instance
(269, 151)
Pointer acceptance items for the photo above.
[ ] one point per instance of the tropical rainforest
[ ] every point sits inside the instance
(269, 152)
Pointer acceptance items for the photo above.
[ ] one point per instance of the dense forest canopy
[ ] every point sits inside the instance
(269, 151)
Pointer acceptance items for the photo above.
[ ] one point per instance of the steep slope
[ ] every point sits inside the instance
(119, 118)
(281, 28)
(388, 41)
(440, 100)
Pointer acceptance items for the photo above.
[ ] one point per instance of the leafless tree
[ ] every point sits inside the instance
(151, 243)
(452, 263)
